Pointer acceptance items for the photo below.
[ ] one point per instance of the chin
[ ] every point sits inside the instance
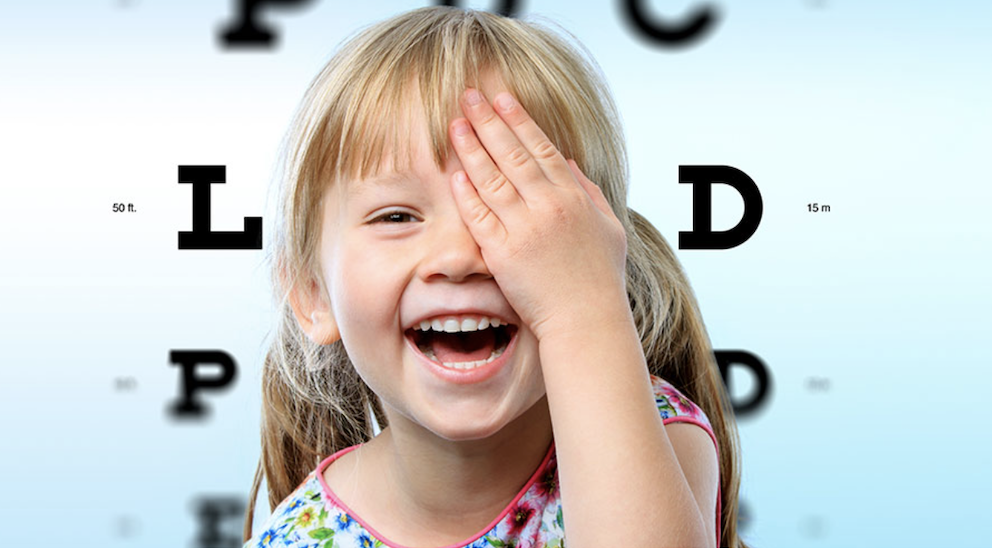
(476, 421)
(465, 425)
(466, 434)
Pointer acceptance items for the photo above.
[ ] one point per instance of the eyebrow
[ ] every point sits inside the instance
(389, 180)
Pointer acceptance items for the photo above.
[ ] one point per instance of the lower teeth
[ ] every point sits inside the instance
(497, 352)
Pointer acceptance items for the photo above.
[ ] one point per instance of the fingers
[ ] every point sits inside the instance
(495, 189)
(532, 138)
(516, 148)
(508, 159)
(479, 217)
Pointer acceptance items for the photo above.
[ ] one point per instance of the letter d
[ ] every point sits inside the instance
(702, 236)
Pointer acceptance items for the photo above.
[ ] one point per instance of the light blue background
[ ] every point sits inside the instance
(879, 109)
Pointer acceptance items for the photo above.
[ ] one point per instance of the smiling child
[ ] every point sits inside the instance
(456, 264)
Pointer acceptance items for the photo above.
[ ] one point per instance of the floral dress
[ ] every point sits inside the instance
(313, 517)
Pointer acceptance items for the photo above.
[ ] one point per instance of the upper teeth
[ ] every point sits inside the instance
(452, 325)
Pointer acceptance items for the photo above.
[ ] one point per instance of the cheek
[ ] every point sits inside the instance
(366, 294)
(366, 290)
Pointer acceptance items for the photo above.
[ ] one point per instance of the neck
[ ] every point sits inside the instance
(459, 486)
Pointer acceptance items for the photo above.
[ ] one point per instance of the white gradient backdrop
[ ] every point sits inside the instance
(879, 109)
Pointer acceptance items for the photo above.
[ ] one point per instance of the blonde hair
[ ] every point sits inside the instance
(314, 402)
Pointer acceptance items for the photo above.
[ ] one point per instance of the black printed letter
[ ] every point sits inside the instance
(247, 31)
(187, 406)
(668, 35)
(212, 512)
(201, 237)
(702, 235)
(507, 8)
(726, 358)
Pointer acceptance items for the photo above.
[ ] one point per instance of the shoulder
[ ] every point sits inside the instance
(301, 512)
(675, 407)
(678, 410)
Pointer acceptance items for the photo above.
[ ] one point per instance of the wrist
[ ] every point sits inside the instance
(581, 349)
(594, 319)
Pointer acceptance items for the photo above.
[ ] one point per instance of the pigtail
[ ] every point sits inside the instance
(313, 405)
(677, 348)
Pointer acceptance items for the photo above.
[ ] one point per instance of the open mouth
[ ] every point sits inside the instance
(463, 349)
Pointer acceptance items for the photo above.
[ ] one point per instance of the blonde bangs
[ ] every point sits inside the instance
(369, 88)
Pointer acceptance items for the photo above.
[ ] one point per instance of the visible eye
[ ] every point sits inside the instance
(394, 217)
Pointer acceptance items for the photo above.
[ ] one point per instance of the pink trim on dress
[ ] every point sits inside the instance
(331, 498)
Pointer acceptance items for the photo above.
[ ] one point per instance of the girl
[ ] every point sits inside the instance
(455, 264)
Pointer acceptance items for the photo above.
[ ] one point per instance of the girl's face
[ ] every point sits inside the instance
(395, 252)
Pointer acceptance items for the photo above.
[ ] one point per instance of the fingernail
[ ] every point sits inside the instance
(505, 102)
(473, 97)
(461, 128)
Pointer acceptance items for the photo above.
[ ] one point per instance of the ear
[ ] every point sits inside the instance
(313, 313)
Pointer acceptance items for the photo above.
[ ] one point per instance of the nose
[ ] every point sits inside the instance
(452, 253)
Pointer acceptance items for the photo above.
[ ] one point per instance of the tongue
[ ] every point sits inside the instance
(463, 347)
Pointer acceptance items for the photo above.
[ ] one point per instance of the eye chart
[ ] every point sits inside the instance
(819, 167)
